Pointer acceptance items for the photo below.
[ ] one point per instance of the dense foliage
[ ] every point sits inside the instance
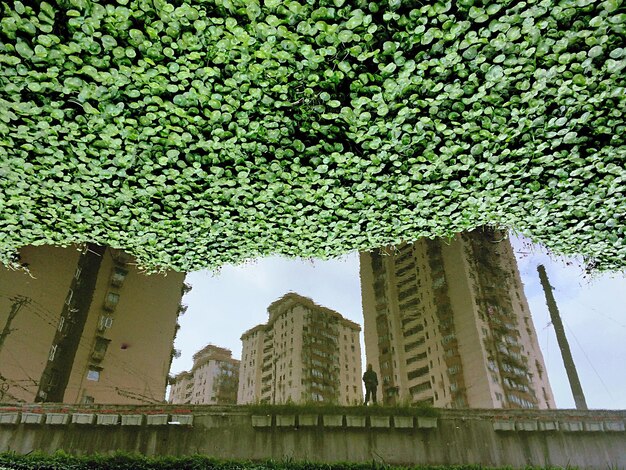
(62, 461)
(195, 133)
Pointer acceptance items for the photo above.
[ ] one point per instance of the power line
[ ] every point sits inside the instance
(589, 361)
(52, 320)
(602, 313)
(41, 313)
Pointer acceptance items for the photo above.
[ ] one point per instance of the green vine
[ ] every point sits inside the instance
(194, 133)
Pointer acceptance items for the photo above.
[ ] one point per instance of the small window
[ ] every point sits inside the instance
(118, 276)
(53, 351)
(68, 299)
(111, 301)
(93, 374)
(77, 273)
(100, 348)
(61, 323)
(105, 322)
(101, 344)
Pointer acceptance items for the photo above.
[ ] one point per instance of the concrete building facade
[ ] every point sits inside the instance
(213, 379)
(91, 329)
(447, 322)
(304, 353)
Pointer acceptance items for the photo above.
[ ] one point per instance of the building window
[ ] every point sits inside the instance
(118, 276)
(68, 299)
(111, 301)
(418, 373)
(100, 348)
(105, 322)
(93, 374)
(61, 323)
(53, 351)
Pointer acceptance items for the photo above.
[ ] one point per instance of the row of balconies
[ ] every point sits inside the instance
(111, 300)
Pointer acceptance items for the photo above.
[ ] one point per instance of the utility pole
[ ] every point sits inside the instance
(568, 361)
(18, 302)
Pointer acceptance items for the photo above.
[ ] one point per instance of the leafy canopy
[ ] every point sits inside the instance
(194, 133)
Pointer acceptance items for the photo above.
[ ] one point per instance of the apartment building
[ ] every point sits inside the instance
(447, 322)
(304, 353)
(86, 326)
(213, 379)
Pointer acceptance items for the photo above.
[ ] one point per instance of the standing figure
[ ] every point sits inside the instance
(370, 379)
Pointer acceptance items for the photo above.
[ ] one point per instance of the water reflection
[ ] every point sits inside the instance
(445, 322)
(213, 380)
(451, 325)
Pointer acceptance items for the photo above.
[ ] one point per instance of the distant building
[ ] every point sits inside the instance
(213, 379)
(447, 322)
(89, 328)
(304, 353)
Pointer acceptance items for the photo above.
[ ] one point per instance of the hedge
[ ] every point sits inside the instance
(63, 461)
(194, 133)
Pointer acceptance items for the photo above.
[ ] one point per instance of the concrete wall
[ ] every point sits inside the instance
(594, 439)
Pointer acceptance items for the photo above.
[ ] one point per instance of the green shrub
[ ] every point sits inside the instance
(120, 461)
(194, 133)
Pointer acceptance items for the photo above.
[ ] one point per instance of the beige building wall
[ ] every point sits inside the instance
(182, 386)
(213, 380)
(25, 350)
(249, 372)
(125, 349)
(305, 353)
(450, 325)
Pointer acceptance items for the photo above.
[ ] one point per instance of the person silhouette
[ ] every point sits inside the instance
(370, 379)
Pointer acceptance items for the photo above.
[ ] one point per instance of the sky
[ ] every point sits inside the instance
(222, 305)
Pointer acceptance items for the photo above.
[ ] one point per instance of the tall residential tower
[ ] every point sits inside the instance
(447, 322)
(213, 379)
(305, 352)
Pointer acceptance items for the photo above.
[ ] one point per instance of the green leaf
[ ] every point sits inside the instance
(595, 51)
(344, 35)
(108, 42)
(271, 4)
(570, 138)
(494, 73)
(47, 10)
(23, 49)
(355, 20)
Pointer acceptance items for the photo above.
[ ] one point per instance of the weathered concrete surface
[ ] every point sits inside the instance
(593, 439)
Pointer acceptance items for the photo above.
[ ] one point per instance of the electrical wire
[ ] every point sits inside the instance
(45, 315)
(601, 313)
(589, 361)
